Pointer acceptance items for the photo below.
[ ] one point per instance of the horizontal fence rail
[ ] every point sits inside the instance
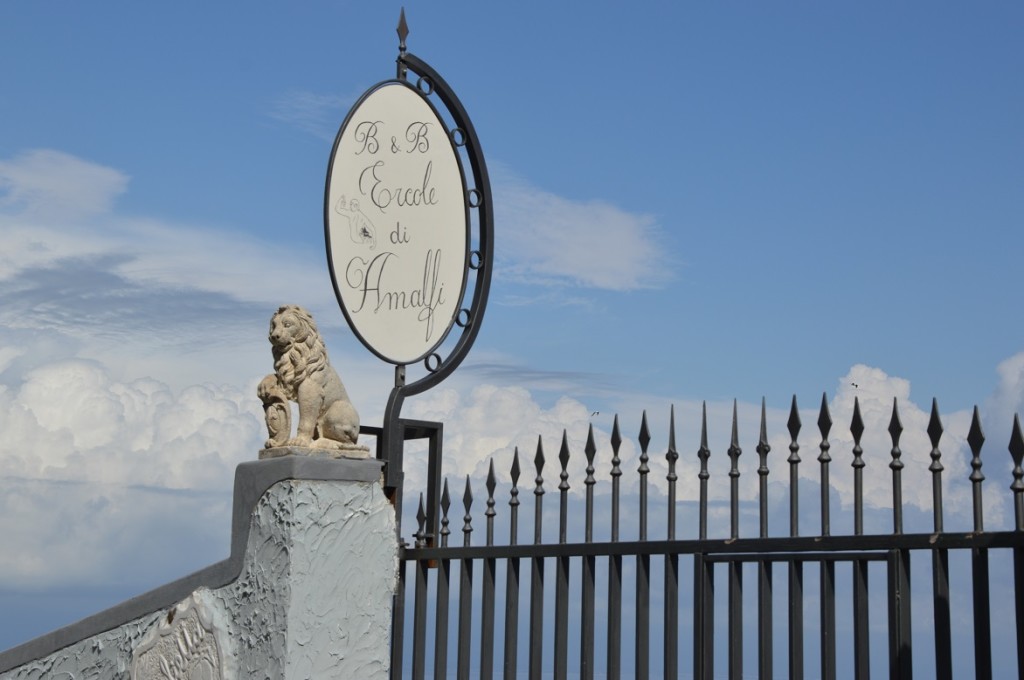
(560, 608)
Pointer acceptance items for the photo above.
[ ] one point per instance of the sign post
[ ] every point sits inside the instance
(408, 224)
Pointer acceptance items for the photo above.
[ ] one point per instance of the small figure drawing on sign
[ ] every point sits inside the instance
(360, 228)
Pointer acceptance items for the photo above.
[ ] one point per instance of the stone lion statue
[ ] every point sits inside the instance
(303, 374)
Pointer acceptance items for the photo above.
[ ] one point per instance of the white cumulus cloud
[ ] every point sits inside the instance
(87, 461)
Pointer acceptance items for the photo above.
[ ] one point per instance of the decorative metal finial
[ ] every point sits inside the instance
(403, 32)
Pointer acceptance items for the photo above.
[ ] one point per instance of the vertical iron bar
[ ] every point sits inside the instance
(419, 635)
(487, 598)
(982, 614)
(940, 599)
(434, 457)
(828, 620)
(764, 568)
(979, 560)
(703, 618)
(589, 564)
(398, 601)
(616, 473)
(763, 449)
(709, 619)
(899, 585)
(857, 430)
(698, 616)
(444, 572)
(537, 575)
(671, 456)
(703, 647)
(614, 667)
(934, 434)
(900, 654)
(1016, 449)
(512, 579)
(828, 575)
(735, 567)
(764, 611)
(976, 438)
(861, 659)
(562, 577)
(940, 558)
(671, 608)
(735, 620)
(796, 568)
(643, 566)
(861, 641)
(466, 590)
(1018, 591)
(734, 478)
(824, 426)
(796, 620)
(794, 424)
(905, 602)
(703, 453)
(892, 602)
(398, 625)
(895, 430)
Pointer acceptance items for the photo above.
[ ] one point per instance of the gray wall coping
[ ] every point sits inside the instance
(252, 479)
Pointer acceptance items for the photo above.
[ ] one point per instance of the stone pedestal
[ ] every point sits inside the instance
(315, 599)
(306, 593)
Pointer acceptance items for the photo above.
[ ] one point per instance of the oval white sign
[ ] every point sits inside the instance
(397, 224)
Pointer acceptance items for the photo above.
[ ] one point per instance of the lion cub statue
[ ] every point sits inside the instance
(328, 423)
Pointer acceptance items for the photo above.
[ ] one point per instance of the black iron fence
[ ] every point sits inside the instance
(491, 609)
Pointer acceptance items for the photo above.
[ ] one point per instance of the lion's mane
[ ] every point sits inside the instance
(305, 355)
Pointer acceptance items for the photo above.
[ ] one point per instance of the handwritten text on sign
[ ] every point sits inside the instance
(397, 224)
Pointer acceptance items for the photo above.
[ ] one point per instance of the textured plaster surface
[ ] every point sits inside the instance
(107, 656)
(312, 600)
(186, 644)
(344, 562)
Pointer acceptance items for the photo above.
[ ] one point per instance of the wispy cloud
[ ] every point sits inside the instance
(547, 239)
(80, 278)
(563, 382)
(317, 114)
(44, 182)
(547, 297)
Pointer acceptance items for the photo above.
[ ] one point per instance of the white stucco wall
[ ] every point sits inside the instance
(313, 599)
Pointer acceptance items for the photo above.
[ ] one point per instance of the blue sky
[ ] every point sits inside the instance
(692, 203)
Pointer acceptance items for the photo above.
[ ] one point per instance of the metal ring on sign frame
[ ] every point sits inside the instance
(475, 198)
(463, 318)
(476, 259)
(432, 362)
(425, 85)
(458, 137)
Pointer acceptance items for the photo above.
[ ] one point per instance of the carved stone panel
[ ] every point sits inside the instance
(182, 646)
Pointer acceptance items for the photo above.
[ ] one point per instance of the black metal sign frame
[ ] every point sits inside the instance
(481, 261)
(479, 264)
